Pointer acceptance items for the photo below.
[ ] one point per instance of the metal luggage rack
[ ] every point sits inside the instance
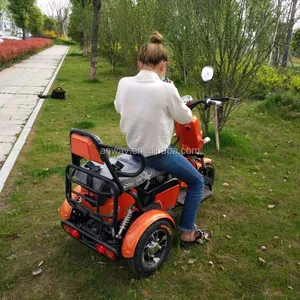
(114, 193)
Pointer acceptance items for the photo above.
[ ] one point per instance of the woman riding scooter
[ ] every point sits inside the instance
(148, 107)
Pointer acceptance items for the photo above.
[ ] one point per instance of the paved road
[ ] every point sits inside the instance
(19, 87)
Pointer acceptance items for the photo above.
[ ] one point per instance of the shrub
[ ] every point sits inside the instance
(295, 84)
(285, 104)
(51, 34)
(268, 80)
(271, 80)
(10, 50)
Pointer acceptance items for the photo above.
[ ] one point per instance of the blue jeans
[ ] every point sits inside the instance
(178, 166)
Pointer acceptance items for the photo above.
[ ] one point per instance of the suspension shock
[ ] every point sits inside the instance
(125, 222)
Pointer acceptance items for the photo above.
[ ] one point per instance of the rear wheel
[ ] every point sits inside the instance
(152, 249)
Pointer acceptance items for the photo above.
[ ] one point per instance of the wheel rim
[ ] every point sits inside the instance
(155, 248)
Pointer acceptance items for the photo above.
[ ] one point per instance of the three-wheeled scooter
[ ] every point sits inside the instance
(118, 206)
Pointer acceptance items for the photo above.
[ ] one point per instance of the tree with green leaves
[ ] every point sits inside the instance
(36, 21)
(81, 23)
(20, 10)
(109, 33)
(180, 31)
(50, 24)
(133, 23)
(60, 11)
(3, 5)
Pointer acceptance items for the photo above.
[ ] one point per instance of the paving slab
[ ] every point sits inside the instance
(19, 87)
(7, 138)
(4, 149)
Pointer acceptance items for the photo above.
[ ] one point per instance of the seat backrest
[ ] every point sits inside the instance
(85, 147)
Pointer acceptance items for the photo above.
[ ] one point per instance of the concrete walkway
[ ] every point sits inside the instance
(19, 87)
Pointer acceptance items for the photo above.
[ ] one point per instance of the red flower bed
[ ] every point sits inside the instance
(11, 49)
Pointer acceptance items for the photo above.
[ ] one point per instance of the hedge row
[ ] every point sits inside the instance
(11, 49)
(269, 80)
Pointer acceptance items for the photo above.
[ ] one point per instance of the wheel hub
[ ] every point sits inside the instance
(155, 247)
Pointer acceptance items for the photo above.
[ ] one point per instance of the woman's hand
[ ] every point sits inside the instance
(168, 80)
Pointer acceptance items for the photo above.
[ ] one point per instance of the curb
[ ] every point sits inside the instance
(14, 153)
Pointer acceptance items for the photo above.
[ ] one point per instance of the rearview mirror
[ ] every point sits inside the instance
(186, 99)
(207, 73)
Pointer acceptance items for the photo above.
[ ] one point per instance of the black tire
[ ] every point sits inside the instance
(141, 263)
(209, 177)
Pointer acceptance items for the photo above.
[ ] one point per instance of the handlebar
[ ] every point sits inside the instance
(209, 101)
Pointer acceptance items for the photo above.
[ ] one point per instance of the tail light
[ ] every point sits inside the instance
(71, 231)
(106, 252)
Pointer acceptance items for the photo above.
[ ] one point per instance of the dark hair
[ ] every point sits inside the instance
(154, 52)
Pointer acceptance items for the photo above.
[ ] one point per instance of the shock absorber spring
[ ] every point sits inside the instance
(125, 222)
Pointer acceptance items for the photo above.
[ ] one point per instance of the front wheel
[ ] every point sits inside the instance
(152, 249)
(209, 175)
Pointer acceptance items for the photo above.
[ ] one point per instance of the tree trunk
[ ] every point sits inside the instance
(184, 75)
(276, 57)
(289, 34)
(24, 33)
(85, 44)
(95, 33)
(276, 31)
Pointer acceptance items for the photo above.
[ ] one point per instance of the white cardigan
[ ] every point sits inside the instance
(148, 107)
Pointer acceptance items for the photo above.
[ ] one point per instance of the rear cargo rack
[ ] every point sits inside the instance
(114, 193)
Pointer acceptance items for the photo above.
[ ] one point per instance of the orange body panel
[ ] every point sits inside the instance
(138, 227)
(190, 136)
(125, 200)
(168, 198)
(85, 148)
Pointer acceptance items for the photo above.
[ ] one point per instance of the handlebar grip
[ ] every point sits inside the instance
(219, 103)
(214, 102)
(224, 99)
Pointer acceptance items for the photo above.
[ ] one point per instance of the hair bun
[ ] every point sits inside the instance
(156, 37)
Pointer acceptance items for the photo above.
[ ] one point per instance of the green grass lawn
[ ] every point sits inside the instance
(259, 158)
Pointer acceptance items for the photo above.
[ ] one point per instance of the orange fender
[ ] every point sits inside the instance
(65, 211)
(138, 227)
(66, 208)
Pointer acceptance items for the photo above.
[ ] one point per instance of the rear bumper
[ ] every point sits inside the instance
(90, 240)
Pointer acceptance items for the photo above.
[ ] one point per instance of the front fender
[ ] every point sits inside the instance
(138, 227)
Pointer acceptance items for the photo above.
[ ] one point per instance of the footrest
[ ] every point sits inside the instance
(181, 197)
(152, 206)
(206, 194)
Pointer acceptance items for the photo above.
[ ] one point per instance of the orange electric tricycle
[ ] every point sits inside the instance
(118, 206)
